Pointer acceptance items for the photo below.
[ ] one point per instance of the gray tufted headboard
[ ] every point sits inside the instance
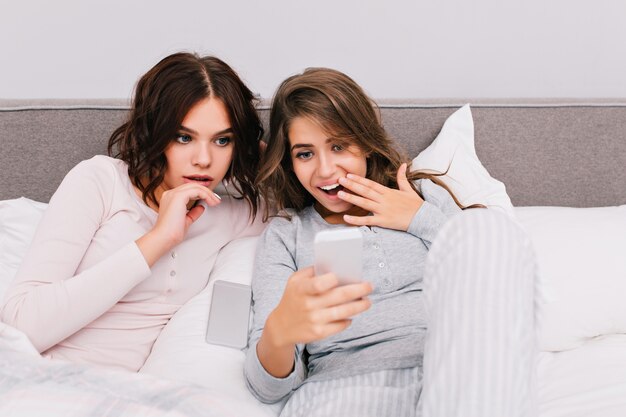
(562, 153)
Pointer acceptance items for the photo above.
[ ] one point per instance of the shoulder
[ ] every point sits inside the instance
(285, 222)
(103, 162)
(100, 167)
(93, 179)
(89, 190)
(283, 229)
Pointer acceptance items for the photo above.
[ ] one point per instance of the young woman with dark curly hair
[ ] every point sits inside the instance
(127, 239)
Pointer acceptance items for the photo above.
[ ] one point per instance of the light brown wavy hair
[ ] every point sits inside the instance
(163, 97)
(341, 107)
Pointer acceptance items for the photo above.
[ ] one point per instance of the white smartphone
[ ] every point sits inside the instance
(229, 314)
(340, 251)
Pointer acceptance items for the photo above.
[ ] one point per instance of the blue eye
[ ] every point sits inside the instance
(181, 138)
(223, 141)
(304, 155)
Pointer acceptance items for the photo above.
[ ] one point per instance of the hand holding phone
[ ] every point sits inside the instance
(340, 251)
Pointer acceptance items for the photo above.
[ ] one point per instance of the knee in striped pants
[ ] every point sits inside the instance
(479, 288)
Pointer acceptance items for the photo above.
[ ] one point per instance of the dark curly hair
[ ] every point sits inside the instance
(163, 96)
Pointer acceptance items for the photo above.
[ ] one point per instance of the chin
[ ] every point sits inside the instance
(336, 208)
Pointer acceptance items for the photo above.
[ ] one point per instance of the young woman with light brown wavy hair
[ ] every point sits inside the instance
(361, 349)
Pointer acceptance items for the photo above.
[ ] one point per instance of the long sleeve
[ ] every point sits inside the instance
(274, 265)
(438, 206)
(51, 298)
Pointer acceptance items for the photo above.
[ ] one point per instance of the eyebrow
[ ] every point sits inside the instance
(193, 132)
(300, 145)
(309, 145)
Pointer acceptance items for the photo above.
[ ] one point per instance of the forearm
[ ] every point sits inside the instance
(50, 310)
(81, 262)
(427, 222)
(273, 368)
(264, 385)
(437, 208)
(276, 356)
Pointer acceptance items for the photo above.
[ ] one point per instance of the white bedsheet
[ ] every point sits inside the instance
(34, 386)
(589, 381)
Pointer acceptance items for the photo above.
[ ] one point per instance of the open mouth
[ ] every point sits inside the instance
(332, 189)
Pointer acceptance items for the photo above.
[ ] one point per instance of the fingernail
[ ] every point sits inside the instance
(215, 194)
(341, 194)
(350, 175)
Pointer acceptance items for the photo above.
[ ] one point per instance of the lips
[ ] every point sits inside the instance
(204, 180)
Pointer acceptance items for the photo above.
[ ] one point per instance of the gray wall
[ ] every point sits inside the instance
(419, 48)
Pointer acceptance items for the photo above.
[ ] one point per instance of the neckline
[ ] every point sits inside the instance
(146, 209)
(316, 216)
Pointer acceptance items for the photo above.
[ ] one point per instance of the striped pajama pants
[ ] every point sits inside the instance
(480, 349)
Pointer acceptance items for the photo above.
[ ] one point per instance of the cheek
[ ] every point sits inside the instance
(301, 173)
(363, 164)
(357, 165)
(226, 159)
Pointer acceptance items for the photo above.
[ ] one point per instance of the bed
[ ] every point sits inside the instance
(557, 167)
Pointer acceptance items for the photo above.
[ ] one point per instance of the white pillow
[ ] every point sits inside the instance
(181, 352)
(18, 221)
(581, 256)
(453, 151)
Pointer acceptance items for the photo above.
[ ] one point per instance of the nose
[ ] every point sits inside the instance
(202, 154)
(326, 165)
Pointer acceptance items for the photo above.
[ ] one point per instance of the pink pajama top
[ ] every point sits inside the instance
(85, 293)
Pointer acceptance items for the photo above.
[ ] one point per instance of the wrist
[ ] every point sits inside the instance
(410, 217)
(164, 236)
(273, 333)
(153, 246)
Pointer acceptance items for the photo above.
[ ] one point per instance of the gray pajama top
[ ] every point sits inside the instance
(389, 335)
